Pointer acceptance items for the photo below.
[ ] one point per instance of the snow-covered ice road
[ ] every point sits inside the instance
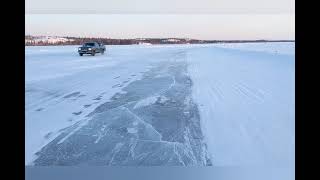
(222, 104)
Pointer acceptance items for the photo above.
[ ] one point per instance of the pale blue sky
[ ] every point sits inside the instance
(201, 19)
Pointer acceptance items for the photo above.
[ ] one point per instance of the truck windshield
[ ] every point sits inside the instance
(89, 44)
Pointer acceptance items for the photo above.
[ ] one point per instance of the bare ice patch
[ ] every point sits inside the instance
(151, 121)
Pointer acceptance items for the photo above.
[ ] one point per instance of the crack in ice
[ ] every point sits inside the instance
(143, 122)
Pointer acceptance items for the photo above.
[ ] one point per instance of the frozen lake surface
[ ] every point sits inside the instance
(184, 105)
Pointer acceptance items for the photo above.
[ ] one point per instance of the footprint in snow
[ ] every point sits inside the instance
(87, 105)
(39, 109)
(72, 95)
(47, 136)
(116, 85)
(98, 98)
(77, 113)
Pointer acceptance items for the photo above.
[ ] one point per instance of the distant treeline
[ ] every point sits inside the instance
(33, 41)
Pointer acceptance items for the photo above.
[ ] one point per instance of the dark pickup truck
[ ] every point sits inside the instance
(91, 48)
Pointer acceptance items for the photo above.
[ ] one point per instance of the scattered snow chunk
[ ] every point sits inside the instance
(132, 130)
(145, 102)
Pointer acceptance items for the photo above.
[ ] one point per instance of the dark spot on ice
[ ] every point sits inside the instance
(39, 109)
(133, 75)
(82, 95)
(125, 81)
(77, 113)
(122, 130)
(116, 77)
(72, 95)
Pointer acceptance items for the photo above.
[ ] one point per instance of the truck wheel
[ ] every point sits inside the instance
(102, 52)
(93, 53)
(80, 54)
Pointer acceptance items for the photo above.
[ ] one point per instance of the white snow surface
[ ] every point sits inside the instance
(274, 48)
(245, 94)
(246, 98)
